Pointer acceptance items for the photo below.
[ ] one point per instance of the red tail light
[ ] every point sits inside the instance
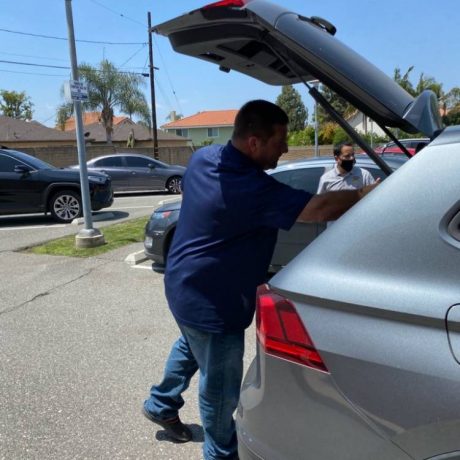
(281, 332)
(226, 3)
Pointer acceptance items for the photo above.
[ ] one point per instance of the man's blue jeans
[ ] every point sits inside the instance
(220, 360)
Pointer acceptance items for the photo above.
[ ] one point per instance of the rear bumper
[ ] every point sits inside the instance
(287, 410)
(244, 452)
(153, 246)
(157, 258)
(101, 197)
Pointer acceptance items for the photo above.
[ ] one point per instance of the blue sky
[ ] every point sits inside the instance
(391, 33)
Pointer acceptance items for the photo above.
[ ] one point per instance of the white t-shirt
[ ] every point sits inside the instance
(333, 180)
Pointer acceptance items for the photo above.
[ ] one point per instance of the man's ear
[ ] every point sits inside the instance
(253, 143)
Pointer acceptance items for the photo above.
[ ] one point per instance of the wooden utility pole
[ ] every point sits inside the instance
(152, 91)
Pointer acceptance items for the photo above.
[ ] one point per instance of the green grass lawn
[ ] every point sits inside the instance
(117, 235)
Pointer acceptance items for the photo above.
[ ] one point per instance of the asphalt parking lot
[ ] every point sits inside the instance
(81, 342)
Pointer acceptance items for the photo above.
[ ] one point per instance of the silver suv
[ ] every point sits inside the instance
(358, 354)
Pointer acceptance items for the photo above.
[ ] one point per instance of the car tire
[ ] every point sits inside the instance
(65, 206)
(174, 185)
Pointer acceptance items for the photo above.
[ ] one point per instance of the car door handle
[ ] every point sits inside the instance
(454, 227)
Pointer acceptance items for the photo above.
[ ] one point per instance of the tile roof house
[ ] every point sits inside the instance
(95, 134)
(88, 119)
(17, 134)
(214, 126)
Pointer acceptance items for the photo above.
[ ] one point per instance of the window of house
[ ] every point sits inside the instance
(213, 132)
(182, 132)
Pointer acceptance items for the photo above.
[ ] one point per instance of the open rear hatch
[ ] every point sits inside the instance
(279, 47)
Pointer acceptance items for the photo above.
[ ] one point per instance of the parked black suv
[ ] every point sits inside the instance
(29, 185)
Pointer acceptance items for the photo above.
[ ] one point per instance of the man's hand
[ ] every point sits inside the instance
(368, 188)
(331, 205)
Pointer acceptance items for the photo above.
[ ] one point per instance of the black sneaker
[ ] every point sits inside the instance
(174, 428)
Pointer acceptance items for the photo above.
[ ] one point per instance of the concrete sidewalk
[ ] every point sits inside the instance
(81, 342)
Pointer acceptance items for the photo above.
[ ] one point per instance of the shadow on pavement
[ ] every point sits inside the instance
(24, 220)
(197, 432)
(116, 215)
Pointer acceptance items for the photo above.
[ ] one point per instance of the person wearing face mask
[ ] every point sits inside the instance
(344, 175)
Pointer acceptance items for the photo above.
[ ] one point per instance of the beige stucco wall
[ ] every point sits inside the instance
(68, 155)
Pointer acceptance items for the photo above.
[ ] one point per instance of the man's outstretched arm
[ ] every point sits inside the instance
(331, 205)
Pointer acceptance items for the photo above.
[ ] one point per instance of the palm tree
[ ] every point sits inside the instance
(134, 103)
(107, 89)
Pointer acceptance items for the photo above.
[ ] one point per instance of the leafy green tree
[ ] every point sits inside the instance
(403, 80)
(291, 102)
(424, 82)
(16, 104)
(452, 98)
(327, 133)
(452, 118)
(109, 89)
(64, 112)
(340, 136)
(429, 83)
(304, 137)
(340, 105)
(135, 103)
(207, 142)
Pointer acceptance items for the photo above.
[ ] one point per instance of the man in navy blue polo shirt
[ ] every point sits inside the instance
(225, 237)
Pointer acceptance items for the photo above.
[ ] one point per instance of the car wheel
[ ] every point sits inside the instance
(174, 184)
(65, 206)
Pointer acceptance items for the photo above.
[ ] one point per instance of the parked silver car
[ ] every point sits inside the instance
(358, 354)
(132, 172)
(300, 174)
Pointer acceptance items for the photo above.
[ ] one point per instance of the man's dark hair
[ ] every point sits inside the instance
(338, 147)
(257, 118)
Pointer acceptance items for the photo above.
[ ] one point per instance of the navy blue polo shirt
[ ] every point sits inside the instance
(225, 237)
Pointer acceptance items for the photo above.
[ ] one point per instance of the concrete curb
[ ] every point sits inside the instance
(96, 217)
(136, 258)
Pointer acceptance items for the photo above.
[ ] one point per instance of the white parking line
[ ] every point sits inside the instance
(143, 267)
(133, 207)
(32, 227)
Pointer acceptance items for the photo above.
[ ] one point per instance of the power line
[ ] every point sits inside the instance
(34, 73)
(34, 57)
(65, 39)
(169, 79)
(35, 65)
(165, 97)
(117, 13)
(127, 60)
(59, 66)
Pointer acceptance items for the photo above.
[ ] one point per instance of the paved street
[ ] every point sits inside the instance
(26, 230)
(81, 341)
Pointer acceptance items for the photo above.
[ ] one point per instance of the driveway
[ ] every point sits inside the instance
(81, 342)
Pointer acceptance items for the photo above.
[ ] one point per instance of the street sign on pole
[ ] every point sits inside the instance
(89, 236)
(75, 90)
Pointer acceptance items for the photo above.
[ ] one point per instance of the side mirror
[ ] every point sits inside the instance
(22, 169)
(151, 166)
